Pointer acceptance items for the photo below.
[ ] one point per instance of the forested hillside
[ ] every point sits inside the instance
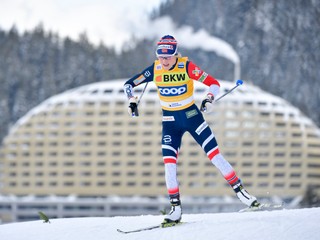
(278, 43)
(36, 65)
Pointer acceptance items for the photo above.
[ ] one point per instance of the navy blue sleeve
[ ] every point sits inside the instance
(145, 76)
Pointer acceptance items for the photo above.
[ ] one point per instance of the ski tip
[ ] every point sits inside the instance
(263, 207)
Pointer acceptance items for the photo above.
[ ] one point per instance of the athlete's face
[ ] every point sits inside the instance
(167, 62)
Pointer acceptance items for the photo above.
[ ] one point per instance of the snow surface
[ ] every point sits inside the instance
(295, 224)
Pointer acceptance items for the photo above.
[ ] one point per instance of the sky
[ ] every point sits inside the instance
(294, 224)
(109, 21)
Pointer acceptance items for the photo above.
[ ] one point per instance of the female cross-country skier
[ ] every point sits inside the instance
(174, 75)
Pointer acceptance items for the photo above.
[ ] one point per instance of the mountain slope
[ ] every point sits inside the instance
(283, 224)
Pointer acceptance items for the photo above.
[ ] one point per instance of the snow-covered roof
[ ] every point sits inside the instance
(113, 91)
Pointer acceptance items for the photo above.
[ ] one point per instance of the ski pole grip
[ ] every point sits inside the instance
(239, 82)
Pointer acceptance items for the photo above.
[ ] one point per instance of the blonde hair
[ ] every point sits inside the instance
(178, 54)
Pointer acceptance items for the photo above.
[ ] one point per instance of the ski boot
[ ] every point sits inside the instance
(244, 196)
(174, 216)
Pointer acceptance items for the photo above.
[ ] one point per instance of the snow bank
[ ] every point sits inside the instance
(283, 224)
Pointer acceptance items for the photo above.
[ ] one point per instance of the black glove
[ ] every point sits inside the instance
(133, 107)
(209, 99)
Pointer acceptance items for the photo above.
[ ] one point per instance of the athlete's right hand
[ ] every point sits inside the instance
(133, 107)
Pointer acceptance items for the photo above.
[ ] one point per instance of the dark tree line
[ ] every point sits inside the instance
(37, 64)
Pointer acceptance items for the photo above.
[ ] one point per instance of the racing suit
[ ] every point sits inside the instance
(180, 114)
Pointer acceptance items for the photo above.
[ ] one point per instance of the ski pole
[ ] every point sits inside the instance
(135, 112)
(144, 89)
(203, 108)
(238, 83)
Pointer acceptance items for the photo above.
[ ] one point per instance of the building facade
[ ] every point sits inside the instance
(83, 142)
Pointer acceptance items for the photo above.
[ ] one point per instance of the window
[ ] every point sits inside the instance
(248, 114)
(68, 174)
(263, 154)
(193, 174)
(264, 184)
(280, 144)
(247, 174)
(232, 124)
(295, 175)
(247, 164)
(104, 113)
(230, 143)
(263, 164)
(101, 174)
(146, 174)
(264, 114)
(295, 165)
(279, 154)
(231, 134)
(279, 185)
(264, 124)
(295, 185)
(247, 144)
(116, 184)
(117, 143)
(263, 174)
(131, 174)
(116, 153)
(247, 154)
(262, 103)
(248, 103)
(279, 175)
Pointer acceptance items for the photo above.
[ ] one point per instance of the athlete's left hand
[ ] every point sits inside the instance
(133, 107)
(206, 105)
